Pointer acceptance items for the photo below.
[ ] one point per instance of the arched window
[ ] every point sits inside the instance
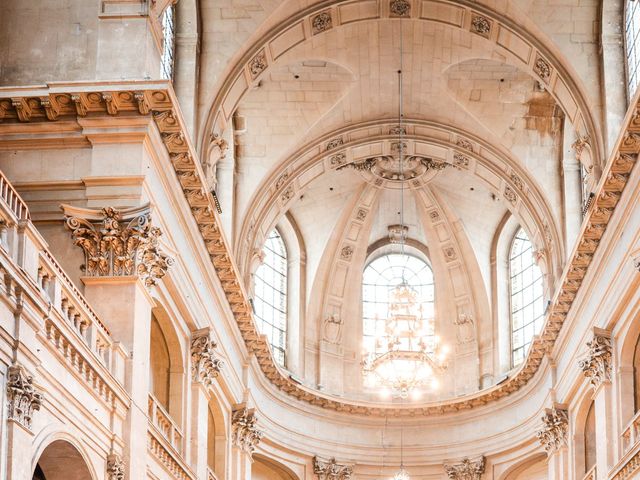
(590, 439)
(159, 365)
(527, 304)
(632, 44)
(270, 295)
(168, 42)
(379, 279)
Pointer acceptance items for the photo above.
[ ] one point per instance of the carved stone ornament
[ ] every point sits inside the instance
(464, 143)
(335, 143)
(245, 433)
(400, 8)
(553, 434)
(205, 364)
(636, 263)
(466, 332)
(597, 364)
(582, 142)
(466, 469)
(480, 25)
(321, 22)
(542, 68)
(258, 64)
(332, 329)
(361, 215)
(510, 195)
(331, 470)
(22, 397)
(397, 233)
(118, 242)
(338, 159)
(115, 467)
(346, 253)
(460, 161)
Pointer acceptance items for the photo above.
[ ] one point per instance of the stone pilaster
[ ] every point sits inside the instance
(596, 366)
(205, 364)
(331, 470)
(466, 470)
(22, 396)
(555, 427)
(118, 243)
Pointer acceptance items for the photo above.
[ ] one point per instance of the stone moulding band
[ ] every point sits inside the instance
(158, 100)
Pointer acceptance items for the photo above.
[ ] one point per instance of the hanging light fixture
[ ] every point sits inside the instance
(407, 357)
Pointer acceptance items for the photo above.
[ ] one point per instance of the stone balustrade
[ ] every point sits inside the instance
(631, 433)
(165, 425)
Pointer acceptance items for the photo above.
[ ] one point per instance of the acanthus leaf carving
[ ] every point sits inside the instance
(118, 242)
(115, 467)
(205, 364)
(22, 396)
(466, 469)
(245, 432)
(596, 366)
(330, 469)
(553, 434)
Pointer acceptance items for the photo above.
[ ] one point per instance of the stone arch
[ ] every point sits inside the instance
(511, 40)
(216, 437)
(462, 150)
(628, 371)
(265, 468)
(175, 357)
(524, 466)
(61, 457)
(585, 405)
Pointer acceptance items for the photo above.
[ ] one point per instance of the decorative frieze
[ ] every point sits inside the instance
(22, 396)
(596, 366)
(466, 469)
(245, 433)
(555, 428)
(331, 470)
(205, 364)
(115, 467)
(118, 242)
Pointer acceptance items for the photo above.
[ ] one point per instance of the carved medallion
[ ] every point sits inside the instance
(335, 143)
(464, 143)
(460, 161)
(542, 68)
(258, 64)
(338, 159)
(481, 25)
(321, 22)
(510, 195)
(346, 253)
(400, 8)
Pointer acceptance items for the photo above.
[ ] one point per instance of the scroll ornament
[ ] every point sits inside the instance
(118, 242)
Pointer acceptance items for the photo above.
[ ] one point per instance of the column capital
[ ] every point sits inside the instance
(118, 242)
(331, 470)
(596, 365)
(245, 432)
(23, 397)
(466, 470)
(115, 467)
(553, 434)
(205, 364)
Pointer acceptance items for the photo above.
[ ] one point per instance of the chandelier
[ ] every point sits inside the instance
(407, 356)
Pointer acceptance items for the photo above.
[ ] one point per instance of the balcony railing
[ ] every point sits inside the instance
(631, 434)
(164, 424)
(12, 199)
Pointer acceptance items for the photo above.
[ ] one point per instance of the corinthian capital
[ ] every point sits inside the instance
(597, 364)
(205, 365)
(245, 433)
(22, 396)
(466, 469)
(115, 467)
(553, 434)
(331, 470)
(118, 242)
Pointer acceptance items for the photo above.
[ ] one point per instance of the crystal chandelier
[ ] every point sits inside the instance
(407, 357)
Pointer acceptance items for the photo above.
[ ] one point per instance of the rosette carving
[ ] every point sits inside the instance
(22, 397)
(553, 434)
(245, 433)
(205, 364)
(118, 242)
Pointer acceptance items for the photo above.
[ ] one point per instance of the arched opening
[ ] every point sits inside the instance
(526, 296)
(264, 468)
(216, 439)
(159, 364)
(632, 45)
(270, 295)
(167, 60)
(590, 439)
(61, 461)
(532, 468)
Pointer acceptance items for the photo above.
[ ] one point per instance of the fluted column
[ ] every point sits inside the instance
(597, 367)
(553, 437)
(122, 261)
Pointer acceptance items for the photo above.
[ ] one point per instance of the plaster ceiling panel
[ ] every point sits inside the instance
(287, 40)
(351, 12)
(442, 12)
(430, 150)
(311, 174)
(514, 44)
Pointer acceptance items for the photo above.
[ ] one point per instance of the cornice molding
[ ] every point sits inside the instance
(162, 105)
